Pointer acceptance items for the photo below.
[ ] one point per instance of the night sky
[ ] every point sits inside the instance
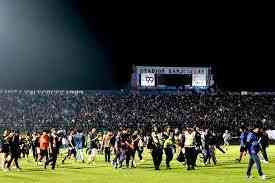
(69, 44)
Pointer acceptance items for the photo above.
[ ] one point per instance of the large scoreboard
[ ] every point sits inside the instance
(172, 77)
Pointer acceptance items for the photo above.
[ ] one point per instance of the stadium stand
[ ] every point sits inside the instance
(33, 111)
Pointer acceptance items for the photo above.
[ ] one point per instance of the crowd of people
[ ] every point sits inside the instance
(189, 125)
(218, 112)
(124, 143)
(188, 144)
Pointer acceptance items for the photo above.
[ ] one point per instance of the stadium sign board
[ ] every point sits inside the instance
(172, 77)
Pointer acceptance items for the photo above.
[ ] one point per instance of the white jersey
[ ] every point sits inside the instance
(226, 137)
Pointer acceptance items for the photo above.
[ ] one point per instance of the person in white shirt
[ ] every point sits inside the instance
(189, 145)
(107, 145)
(226, 138)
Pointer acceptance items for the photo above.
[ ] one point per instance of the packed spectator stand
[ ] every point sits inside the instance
(34, 110)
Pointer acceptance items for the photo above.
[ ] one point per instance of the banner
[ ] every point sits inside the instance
(164, 70)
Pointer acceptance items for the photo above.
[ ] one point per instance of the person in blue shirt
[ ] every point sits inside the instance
(79, 141)
(243, 137)
(253, 147)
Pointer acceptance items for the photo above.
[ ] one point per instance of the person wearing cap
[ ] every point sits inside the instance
(253, 147)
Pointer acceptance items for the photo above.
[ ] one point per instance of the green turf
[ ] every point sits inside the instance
(226, 171)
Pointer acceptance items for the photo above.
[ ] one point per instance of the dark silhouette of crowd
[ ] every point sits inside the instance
(28, 112)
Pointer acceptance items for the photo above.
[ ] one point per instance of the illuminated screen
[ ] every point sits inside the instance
(199, 80)
(147, 79)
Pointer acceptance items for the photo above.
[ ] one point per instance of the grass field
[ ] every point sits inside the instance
(226, 171)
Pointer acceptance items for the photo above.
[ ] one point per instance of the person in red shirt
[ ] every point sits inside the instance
(44, 145)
